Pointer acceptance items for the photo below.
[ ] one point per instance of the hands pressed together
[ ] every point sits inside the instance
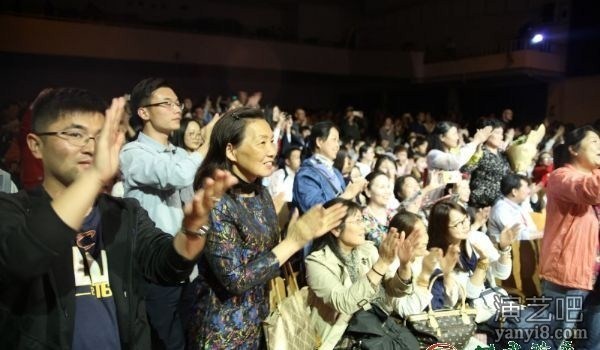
(109, 141)
(397, 245)
(315, 223)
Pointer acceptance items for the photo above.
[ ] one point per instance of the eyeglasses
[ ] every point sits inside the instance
(465, 221)
(195, 136)
(355, 220)
(174, 106)
(75, 137)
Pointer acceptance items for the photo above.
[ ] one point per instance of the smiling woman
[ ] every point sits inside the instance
(568, 258)
(188, 136)
(345, 272)
(243, 249)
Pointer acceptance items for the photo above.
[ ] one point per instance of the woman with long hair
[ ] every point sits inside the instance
(476, 267)
(188, 136)
(444, 142)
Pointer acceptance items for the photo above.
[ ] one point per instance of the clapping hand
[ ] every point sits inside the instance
(508, 235)
(109, 141)
(355, 187)
(408, 247)
(430, 262)
(482, 135)
(315, 222)
(198, 210)
(389, 247)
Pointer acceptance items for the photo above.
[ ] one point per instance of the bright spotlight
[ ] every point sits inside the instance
(536, 39)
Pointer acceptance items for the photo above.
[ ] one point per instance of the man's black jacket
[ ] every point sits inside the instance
(37, 288)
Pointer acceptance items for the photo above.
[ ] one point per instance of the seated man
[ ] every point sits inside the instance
(73, 259)
(508, 210)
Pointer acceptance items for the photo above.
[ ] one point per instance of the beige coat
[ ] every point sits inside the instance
(334, 298)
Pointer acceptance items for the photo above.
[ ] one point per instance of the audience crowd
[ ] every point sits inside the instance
(180, 212)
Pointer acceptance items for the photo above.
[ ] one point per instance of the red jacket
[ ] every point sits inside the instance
(570, 242)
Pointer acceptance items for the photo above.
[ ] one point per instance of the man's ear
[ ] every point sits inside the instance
(143, 114)
(35, 145)
(231, 153)
(513, 192)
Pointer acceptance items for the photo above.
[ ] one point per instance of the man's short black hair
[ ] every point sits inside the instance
(140, 95)
(287, 153)
(512, 181)
(63, 101)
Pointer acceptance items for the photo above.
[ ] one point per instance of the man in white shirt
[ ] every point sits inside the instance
(508, 210)
(366, 155)
(282, 180)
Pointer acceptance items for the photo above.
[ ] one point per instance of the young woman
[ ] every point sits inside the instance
(188, 136)
(479, 264)
(344, 164)
(444, 152)
(243, 248)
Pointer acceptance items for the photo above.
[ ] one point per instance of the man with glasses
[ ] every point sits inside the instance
(74, 261)
(160, 176)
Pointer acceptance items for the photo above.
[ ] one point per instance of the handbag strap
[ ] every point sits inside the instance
(290, 278)
(278, 297)
(462, 291)
(463, 308)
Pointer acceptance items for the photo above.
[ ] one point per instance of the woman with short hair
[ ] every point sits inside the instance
(243, 248)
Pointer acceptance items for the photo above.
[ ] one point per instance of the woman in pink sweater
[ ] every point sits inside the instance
(568, 258)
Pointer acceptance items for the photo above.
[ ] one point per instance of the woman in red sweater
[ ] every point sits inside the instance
(568, 258)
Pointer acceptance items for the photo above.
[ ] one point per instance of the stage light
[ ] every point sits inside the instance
(538, 38)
